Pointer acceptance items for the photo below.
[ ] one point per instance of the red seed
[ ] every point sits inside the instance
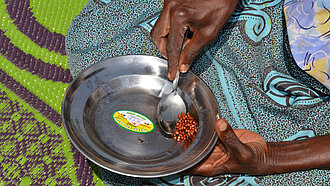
(186, 128)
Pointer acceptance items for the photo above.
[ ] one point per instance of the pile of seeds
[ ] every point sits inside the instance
(186, 128)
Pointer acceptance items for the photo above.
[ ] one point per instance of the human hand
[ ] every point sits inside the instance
(204, 18)
(237, 151)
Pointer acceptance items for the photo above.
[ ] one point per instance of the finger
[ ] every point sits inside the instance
(174, 43)
(160, 31)
(229, 138)
(199, 40)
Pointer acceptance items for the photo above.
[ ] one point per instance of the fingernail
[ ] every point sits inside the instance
(217, 116)
(184, 68)
(223, 126)
(169, 75)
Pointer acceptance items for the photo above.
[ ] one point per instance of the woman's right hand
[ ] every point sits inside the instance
(204, 18)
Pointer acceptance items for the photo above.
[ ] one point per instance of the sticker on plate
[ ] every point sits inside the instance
(133, 121)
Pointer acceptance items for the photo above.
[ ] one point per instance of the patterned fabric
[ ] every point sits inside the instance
(308, 25)
(249, 68)
(34, 75)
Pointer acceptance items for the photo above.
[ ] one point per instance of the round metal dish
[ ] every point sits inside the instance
(135, 83)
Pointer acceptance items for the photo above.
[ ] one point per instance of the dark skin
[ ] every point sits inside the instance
(203, 18)
(244, 151)
(238, 150)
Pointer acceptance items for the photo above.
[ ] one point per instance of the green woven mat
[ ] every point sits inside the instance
(34, 148)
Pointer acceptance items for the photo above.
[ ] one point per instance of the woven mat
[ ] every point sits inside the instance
(34, 148)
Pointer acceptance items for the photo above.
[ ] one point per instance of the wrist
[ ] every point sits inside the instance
(297, 155)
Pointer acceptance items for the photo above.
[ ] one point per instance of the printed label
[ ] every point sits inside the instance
(133, 121)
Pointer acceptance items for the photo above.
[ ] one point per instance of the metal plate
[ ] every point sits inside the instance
(136, 83)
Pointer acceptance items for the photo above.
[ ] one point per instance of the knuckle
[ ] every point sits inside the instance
(171, 3)
(209, 34)
(180, 14)
(170, 47)
(192, 52)
(245, 155)
(230, 138)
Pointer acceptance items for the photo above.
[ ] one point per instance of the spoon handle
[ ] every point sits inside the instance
(176, 79)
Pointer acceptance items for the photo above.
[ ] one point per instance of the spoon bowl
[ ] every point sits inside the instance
(168, 109)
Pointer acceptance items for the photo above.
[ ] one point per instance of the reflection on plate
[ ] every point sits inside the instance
(109, 114)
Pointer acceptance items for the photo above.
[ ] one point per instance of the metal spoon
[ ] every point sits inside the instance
(171, 105)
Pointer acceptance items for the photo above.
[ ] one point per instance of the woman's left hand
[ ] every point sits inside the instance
(237, 151)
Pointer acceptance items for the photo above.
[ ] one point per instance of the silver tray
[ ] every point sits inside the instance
(132, 86)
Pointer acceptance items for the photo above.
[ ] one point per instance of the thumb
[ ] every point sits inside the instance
(229, 138)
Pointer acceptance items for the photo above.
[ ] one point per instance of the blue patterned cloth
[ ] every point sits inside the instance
(249, 68)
